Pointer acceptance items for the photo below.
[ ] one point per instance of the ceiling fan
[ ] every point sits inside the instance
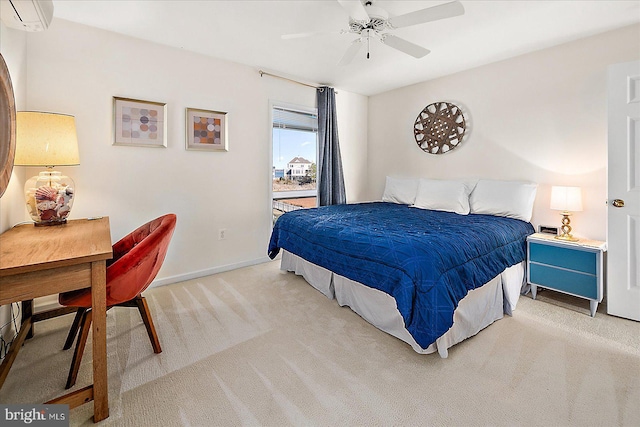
(371, 22)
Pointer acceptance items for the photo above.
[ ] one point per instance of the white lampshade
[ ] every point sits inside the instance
(568, 199)
(46, 139)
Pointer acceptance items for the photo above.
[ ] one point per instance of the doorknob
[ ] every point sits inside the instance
(618, 203)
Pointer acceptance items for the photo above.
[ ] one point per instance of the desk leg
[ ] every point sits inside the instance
(27, 312)
(99, 325)
(13, 350)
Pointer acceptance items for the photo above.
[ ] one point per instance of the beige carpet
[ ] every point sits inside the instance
(258, 346)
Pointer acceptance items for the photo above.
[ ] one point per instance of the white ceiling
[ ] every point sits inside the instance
(249, 32)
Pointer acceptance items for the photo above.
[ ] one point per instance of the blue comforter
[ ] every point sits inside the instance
(427, 260)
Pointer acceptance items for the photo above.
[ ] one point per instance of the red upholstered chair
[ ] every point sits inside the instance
(137, 258)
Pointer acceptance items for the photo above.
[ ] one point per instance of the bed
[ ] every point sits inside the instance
(430, 277)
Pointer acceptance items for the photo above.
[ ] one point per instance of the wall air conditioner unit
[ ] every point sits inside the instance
(27, 15)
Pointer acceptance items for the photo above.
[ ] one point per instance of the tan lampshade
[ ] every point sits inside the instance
(566, 199)
(46, 139)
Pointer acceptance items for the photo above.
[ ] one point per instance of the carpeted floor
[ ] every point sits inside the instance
(258, 346)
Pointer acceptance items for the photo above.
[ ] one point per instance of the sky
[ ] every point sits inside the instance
(288, 144)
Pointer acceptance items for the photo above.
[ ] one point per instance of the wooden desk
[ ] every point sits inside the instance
(39, 261)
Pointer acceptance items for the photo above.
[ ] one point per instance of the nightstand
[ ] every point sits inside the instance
(575, 268)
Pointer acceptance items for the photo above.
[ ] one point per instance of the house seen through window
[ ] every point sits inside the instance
(294, 164)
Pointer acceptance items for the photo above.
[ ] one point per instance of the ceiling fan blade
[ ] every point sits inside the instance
(351, 52)
(447, 10)
(404, 46)
(355, 9)
(307, 34)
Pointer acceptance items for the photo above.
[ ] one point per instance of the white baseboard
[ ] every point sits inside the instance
(207, 272)
(51, 301)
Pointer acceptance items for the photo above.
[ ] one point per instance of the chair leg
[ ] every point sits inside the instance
(73, 332)
(85, 326)
(143, 308)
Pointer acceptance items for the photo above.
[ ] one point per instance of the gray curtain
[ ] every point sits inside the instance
(330, 177)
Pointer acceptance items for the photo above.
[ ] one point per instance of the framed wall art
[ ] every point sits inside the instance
(139, 123)
(206, 130)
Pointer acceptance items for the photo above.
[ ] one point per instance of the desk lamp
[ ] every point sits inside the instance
(567, 200)
(49, 140)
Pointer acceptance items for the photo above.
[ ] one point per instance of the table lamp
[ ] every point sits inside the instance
(49, 140)
(566, 199)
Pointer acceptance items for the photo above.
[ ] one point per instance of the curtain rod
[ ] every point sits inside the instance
(262, 73)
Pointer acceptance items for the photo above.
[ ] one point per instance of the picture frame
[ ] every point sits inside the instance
(139, 123)
(206, 130)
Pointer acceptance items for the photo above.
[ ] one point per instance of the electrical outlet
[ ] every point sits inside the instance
(222, 234)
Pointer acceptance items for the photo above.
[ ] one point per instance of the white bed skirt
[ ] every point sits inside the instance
(480, 308)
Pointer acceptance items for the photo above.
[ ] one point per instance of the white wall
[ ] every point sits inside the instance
(77, 70)
(13, 49)
(539, 117)
(353, 115)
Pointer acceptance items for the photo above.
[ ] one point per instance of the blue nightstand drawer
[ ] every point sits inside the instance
(572, 259)
(585, 285)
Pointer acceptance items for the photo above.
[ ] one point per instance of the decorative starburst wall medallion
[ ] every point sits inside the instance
(439, 128)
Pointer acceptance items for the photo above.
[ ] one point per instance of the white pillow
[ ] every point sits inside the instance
(450, 196)
(511, 199)
(400, 190)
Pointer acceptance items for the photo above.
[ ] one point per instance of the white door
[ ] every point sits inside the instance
(623, 227)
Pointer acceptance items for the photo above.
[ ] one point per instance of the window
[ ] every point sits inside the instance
(295, 147)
